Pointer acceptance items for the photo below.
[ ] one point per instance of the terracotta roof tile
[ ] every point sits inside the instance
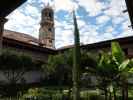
(20, 37)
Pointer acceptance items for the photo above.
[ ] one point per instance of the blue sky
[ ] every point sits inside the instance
(98, 20)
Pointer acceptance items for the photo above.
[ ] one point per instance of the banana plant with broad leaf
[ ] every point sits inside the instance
(124, 66)
(114, 69)
(106, 71)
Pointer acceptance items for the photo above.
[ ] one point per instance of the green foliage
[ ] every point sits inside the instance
(124, 65)
(54, 62)
(26, 62)
(117, 53)
(114, 68)
(88, 62)
(13, 66)
(115, 62)
(58, 62)
(130, 68)
(59, 67)
(96, 97)
(43, 94)
(10, 60)
(106, 68)
(34, 92)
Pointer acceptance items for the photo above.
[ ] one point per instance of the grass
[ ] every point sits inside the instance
(85, 95)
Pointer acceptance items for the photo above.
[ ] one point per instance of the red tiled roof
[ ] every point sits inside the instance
(22, 40)
(20, 37)
(29, 41)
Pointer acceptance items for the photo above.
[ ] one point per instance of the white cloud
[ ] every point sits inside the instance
(107, 36)
(115, 8)
(65, 5)
(94, 7)
(126, 24)
(88, 34)
(64, 33)
(118, 20)
(22, 23)
(32, 11)
(23, 20)
(109, 29)
(81, 23)
(57, 24)
(125, 33)
(102, 19)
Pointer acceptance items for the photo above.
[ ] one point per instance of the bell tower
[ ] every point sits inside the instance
(47, 31)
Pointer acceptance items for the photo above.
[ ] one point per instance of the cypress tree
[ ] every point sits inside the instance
(76, 60)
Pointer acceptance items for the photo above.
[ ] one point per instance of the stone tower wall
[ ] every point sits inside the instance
(46, 31)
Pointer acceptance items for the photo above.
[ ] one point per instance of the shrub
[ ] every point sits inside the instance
(96, 97)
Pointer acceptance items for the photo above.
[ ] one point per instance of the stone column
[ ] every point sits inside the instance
(2, 22)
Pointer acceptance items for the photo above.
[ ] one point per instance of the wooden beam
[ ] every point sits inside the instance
(7, 6)
(129, 4)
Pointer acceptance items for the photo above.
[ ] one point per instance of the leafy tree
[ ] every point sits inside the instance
(114, 68)
(124, 66)
(105, 71)
(14, 66)
(88, 62)
(59, 69)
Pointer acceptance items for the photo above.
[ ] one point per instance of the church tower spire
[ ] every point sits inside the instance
(47, 31)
